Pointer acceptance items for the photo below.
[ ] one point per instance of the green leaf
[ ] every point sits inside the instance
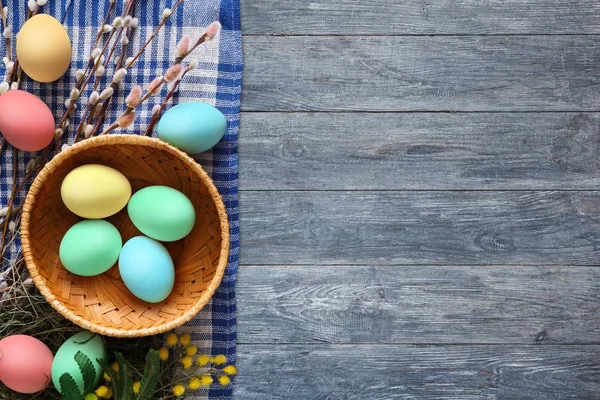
(150, 376)
(88, 371)
(69, 388)
(114, 378)
(125, 378)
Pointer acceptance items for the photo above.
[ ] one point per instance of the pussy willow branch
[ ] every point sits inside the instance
(101, 115)
(174, 80)
(7, 40)
(7, 244)
(88, 115)
(12, 199)
(79, 83)
(39, 164)
(17, 72)
(164, 20)
(128, 65)
(172, 92)
(203, 38)
(111, 7)
(86, 81)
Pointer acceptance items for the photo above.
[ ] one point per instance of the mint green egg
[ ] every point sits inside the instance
(193, 127)
(90, 247)
(90, 344)
(162, 213)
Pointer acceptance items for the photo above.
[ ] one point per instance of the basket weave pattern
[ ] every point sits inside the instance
(102, 303)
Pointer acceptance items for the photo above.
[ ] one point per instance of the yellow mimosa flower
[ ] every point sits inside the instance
(178, 390)
(163, 353)
(230, 370)
(224, 380)
(102, 391)
(187, 362)
(191, 350)
(195, 383)
(202, 360)
(220, 359)
(206, 380)
(185, 339)
(136, 387)
(171, 339)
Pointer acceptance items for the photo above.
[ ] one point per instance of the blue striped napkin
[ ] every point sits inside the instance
(217, 81)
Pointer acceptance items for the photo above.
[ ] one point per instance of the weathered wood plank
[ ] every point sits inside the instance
(411, 17)
(461, 228)
(335, 372)
(439, 151)
(514, 73)
(418, 305)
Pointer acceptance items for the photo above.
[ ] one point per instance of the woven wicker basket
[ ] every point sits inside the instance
(102, 303)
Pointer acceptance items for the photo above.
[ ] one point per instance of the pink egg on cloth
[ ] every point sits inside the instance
(25, 364)
(26, 122)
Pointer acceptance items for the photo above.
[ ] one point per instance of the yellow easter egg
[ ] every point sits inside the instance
(44, 48)
(95, 191)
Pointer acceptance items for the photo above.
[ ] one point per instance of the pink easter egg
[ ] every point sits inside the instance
(26, 122)
(25, 364)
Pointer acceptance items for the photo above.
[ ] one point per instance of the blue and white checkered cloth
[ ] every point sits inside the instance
(217, 81)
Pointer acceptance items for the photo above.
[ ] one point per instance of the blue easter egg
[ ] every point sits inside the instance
(193, 127)
(147, 269)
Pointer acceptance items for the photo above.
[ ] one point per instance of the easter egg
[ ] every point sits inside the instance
(162, 213)
(147, 269)
(25, 364)
(44, 48)
(26, 122)
(90, 247)
(90, 344)
(95, 191)
(193, 127)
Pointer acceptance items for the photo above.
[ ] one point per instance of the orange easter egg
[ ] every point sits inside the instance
(44, 48)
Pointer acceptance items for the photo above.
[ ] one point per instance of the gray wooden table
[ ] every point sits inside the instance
(420, 211)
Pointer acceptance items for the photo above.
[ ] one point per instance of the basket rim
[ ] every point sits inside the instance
(129, 139)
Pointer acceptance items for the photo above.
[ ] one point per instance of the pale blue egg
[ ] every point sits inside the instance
(147, 269)
(193, 127)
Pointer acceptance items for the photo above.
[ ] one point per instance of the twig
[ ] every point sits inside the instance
(164, 20)
(12, 199)
(79, 83)
(87, 115)
(40, 162)
(7, 40)
(172, 92)
(17, 71)
(200, 40)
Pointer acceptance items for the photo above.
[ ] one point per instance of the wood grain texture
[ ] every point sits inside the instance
(506, 73)
(418, 305)
(400, 239)
(420, 17)
(422, 151)
(349, 372)
(464, 228)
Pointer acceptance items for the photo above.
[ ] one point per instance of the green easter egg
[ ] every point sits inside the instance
(90, 247)
(162, 213)
(90, 344)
